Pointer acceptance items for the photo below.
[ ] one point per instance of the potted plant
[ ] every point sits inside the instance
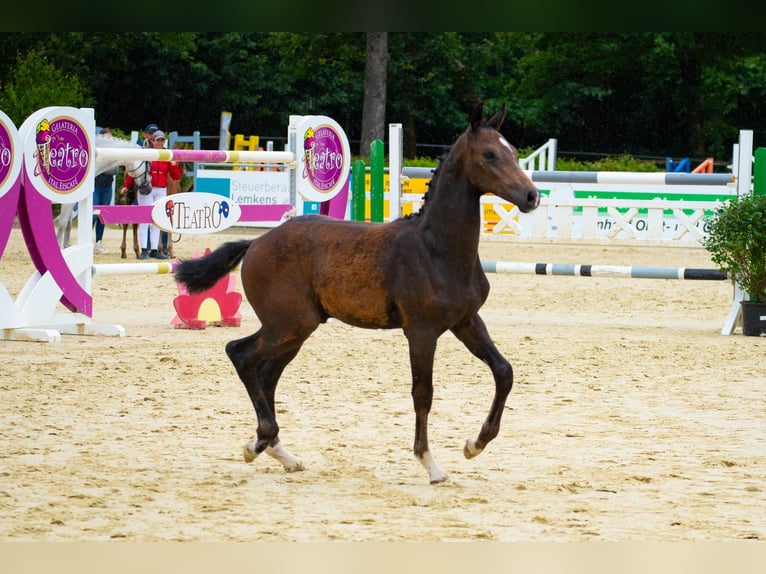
(736, 240)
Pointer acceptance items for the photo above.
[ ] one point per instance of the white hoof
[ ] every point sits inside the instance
(290, 462)
(438, 478)
(295, 466)
(249, 451)
(435, 472)
(470, 450)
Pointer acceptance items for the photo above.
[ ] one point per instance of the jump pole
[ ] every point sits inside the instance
(158, 268)
(196, 155)
(614, 271)
(630, 178)
(511, 267)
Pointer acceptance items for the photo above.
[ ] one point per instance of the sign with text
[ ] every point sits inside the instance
(246, 187)
(10, 154)
(324, 160)
(58, 153)
(195, 213)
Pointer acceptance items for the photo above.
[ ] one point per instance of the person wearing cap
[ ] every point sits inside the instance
(161, 171)
(148, 133)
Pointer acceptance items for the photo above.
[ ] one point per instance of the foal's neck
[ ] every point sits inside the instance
(451, 217)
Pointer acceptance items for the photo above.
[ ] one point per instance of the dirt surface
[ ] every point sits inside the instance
(632, 418)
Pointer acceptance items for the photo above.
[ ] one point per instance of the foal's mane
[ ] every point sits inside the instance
(430, 185)
(435, 177)
(459, 141)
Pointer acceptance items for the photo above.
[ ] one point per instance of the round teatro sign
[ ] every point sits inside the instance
(58, 154)
(324, 158)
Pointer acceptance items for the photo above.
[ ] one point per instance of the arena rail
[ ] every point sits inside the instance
(647, 222)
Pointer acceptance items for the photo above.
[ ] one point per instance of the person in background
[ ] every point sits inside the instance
(102, 195)
(160, 171)
(146, 140)
(174, 186)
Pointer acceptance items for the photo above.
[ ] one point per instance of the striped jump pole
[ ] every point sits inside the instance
(629, 177)
(194, 155)
(627, 272)
(606, 177)
(512, 267)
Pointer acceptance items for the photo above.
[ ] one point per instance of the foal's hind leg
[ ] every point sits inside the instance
(475, 337)
(260, 372)
(269, 376)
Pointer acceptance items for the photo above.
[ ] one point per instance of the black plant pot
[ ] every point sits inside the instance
(753, 318)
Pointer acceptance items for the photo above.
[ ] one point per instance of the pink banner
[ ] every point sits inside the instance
(119, 214)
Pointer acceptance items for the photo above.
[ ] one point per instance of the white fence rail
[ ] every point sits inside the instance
(589, 220)
(647, 222)
(543, 158)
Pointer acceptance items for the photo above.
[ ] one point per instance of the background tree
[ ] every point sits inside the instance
(323, 73)
(35, 83)
(431, 89)
(651, 94)
(375, 73)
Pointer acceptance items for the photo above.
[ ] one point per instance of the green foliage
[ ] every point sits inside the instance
(421, 162)
(677, 94)
(34, 83)
(672, 93)
(616, 163)
(737, 242)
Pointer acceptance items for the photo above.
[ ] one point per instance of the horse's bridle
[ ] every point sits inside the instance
(143, 179)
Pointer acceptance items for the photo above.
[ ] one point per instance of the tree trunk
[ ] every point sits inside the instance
(375, 74)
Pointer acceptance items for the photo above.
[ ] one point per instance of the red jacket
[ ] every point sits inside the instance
(160, 171)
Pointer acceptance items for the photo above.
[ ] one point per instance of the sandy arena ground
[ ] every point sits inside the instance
(632, 419)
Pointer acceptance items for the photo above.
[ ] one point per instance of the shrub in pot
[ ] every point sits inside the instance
(736, 240)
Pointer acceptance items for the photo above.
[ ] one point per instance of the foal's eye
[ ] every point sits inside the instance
(489, 155)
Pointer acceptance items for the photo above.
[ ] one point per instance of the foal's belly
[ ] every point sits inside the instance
(361, 306)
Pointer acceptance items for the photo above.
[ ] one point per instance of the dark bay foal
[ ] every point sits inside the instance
(420, 273)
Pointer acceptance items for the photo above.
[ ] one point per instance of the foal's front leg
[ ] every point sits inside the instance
(475, 337)
(422, 349)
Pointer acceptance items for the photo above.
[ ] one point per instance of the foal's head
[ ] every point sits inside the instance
(491, 163)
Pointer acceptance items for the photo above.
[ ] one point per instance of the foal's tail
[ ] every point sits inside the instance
(204, 272)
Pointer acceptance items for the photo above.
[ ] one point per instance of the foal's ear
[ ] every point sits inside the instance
(477, 115)
(497, 120)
